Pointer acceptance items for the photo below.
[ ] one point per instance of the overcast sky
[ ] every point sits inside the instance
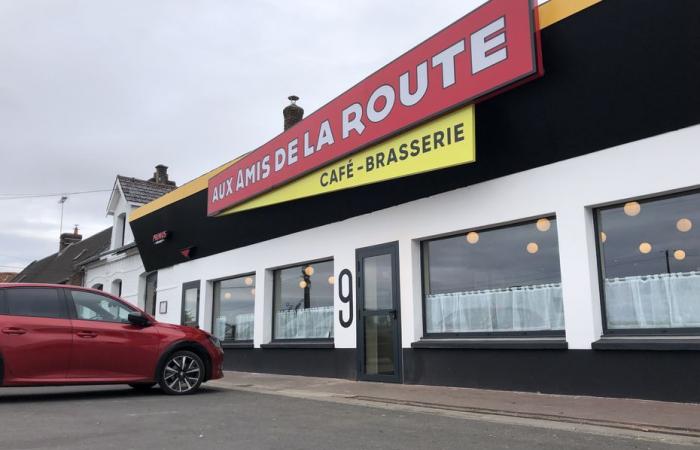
(94, 88)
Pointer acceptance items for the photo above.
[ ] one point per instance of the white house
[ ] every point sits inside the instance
(119, 270)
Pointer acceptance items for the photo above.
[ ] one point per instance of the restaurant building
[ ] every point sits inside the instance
(512, 204)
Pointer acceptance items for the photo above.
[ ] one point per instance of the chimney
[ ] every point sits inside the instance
(292, 113)
(160, 176)
(69, 238)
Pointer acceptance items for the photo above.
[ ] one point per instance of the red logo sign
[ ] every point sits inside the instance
(485, 51)
(160, 237)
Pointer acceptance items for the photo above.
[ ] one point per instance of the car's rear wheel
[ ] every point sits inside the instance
(182, 373)
(142, 386)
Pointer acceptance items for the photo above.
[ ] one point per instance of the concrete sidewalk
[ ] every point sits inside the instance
(630, 414)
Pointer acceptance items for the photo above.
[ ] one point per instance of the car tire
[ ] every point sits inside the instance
(142, 386)
(182, 373)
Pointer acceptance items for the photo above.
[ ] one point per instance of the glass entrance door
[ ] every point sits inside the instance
(378, 325)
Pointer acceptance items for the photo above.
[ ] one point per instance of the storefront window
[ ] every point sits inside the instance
(234, 302)
(303, 301)
(498, 281)
(650, 263)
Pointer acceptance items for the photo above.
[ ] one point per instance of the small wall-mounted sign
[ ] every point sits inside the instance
(160, 237)
(163, 308)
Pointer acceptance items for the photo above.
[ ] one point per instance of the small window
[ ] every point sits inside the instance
(36, 302)
(117, 288)
(190, 304)
(649, 253)
(150, 293)
(303, 301)
(98, 286)
(234, 304)
(89, 306)
(499, 281)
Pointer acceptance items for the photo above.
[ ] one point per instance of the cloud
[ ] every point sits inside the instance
(89, 90)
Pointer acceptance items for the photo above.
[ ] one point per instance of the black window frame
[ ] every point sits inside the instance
(213, 308)
(482, 334)
(185, 287)
(62, 298)
(643, 332)
(274, 287)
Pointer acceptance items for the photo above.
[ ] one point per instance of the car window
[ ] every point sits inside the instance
(3, 305)
(35, 302)
(89, 306)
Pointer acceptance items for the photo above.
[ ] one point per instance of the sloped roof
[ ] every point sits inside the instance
(7, 276)
(60, 267)
(142, 191)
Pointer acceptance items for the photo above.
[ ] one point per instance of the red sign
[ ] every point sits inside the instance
(486, 50)
(160, 237)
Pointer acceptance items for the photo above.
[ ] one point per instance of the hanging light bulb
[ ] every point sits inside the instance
(632, 208)
(472, 237)
(227, 295)
(532, 248)
(309, 270)
(679, 255)
(252, 292)
(645, 247)
(684, 225)
(303, 284)
(248, 281)
(543, 224)
(603, 237)
(331, 280)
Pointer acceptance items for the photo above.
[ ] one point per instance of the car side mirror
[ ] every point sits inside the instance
(139, 319)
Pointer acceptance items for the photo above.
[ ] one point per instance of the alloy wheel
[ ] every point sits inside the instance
(182, 373)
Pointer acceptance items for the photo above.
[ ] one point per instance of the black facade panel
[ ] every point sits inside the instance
(652, 375)
(332, 363)
(614, 73)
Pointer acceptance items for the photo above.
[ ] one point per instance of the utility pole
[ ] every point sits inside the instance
(62, 201)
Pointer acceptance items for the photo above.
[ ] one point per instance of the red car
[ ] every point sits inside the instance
(60, 335)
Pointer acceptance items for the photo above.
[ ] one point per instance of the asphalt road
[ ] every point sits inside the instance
(115, 417)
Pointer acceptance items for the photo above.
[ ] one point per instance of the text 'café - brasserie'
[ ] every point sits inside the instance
(511, 204)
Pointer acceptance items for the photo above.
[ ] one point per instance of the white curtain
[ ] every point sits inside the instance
(653, 301)
(242, 327)
(526, 308)
(304, 323)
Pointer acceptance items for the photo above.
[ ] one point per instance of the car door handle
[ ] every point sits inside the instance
(86, 334)
(14, 330)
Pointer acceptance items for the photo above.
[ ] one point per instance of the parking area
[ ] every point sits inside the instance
(116, 417)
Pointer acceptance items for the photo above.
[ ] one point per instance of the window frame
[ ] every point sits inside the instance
(275, 340)
(62, 298)
(185, 287)
(482, 334)
(213, 303)
(645, 332)
(73, 310)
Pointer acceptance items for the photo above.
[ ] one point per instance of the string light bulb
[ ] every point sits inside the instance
(543, 224)
(684, 225)
(532, 248)
(248, 281)
(679, 255)
(632, 208)
(309, 270)
(603, 237)
(303, 284)
(252, 292)
(227, 295)
(645, 247)
(331, 280)
(472, 237)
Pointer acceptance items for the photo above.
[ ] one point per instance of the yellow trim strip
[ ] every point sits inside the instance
(555, 10)
(550, 12)
(191, 187)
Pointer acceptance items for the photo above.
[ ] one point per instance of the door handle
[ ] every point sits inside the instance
(14, 330)
(86, 334)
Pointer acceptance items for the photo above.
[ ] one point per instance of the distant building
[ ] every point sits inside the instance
(118, 269)
(64, 266)
(7, 276)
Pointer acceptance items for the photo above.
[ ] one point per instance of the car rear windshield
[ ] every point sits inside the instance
(34, 302)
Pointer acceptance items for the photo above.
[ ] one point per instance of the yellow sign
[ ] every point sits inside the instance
(445, 142)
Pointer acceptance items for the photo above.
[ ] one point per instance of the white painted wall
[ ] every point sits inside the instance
(569, 189)
(126, 267)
